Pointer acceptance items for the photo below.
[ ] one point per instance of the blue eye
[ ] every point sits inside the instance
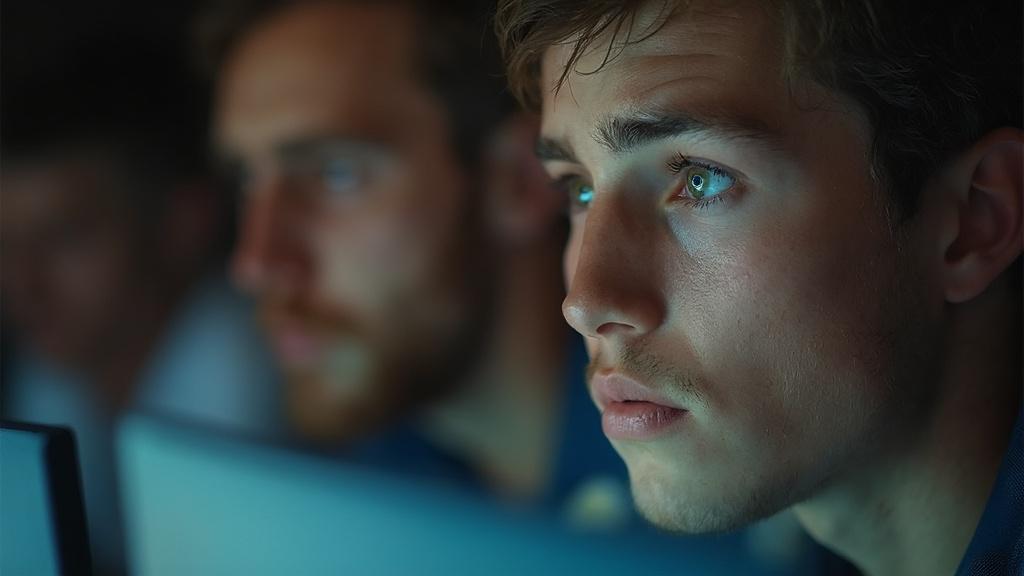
(583, 194)
(579, 193)
(701, 181)
(338, 176)
(704, 182)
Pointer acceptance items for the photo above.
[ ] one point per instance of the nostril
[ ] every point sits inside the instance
(610, 328)
(608, 315)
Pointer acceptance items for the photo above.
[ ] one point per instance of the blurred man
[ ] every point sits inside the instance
(402, 241)
(793, 259)
(110, 234)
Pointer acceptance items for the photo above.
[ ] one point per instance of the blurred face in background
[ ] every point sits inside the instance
(355, 224)
(755, 327)
(74, 267)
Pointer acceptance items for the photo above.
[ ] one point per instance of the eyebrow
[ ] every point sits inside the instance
(622, 134)
(296, 147)
(551, 150)
(300, 146)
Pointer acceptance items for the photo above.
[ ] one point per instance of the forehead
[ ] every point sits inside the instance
(715, 59)
(318, 66)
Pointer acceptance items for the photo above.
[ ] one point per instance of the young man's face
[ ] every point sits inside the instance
(731, 262)
(353, 232)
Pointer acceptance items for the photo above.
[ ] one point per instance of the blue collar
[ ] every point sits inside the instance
(998, 544)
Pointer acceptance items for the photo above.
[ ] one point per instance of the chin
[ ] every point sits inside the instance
(676, 511)
(692, 502)
(322, 410)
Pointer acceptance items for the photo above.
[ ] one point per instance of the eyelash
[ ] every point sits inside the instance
(679, 163)
(675, 166)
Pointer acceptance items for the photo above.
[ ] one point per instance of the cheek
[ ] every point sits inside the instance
(379, 259)
(360, 257)
(790, 330)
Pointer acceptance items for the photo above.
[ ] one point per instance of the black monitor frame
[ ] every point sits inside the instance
(65, 491)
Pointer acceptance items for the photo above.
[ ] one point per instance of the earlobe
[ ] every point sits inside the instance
(989, 214)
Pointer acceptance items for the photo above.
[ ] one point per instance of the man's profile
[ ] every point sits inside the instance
(794, 256)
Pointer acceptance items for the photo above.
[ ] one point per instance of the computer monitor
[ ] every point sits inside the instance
(42, 517)
(200, 503)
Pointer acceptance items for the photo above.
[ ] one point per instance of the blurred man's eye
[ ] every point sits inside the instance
(332, 171)
(320, 175)
(338, 176)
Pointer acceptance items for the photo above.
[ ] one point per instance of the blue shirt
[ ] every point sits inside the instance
(998, 544)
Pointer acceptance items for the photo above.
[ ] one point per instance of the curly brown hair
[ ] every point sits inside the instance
(931, 77)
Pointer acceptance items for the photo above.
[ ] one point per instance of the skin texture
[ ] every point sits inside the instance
(790, 315)
(369, 291)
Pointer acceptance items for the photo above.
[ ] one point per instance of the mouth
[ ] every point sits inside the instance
(632, 411)
(294, 346)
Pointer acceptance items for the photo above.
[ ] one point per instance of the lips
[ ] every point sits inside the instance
(295, 346)
(631, 411)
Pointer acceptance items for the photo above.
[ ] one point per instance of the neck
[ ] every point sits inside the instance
(504, 418)
(914, 510)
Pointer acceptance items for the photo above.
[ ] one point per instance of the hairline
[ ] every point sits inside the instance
(790, 72)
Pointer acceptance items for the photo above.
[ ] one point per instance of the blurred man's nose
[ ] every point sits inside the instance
(269, 255)
(614, 291)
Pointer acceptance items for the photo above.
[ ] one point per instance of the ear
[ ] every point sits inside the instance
(986, 207)
(521, 206)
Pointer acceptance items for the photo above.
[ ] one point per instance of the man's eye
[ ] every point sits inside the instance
(579, 192)
(701, 181)
(338, 176)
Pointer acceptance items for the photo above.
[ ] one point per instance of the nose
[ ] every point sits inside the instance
(614, 280)
(269, 253)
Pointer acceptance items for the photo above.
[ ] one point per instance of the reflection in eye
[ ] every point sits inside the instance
(701, 181)
(337, 176)
(583, 194)
(578, 192)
